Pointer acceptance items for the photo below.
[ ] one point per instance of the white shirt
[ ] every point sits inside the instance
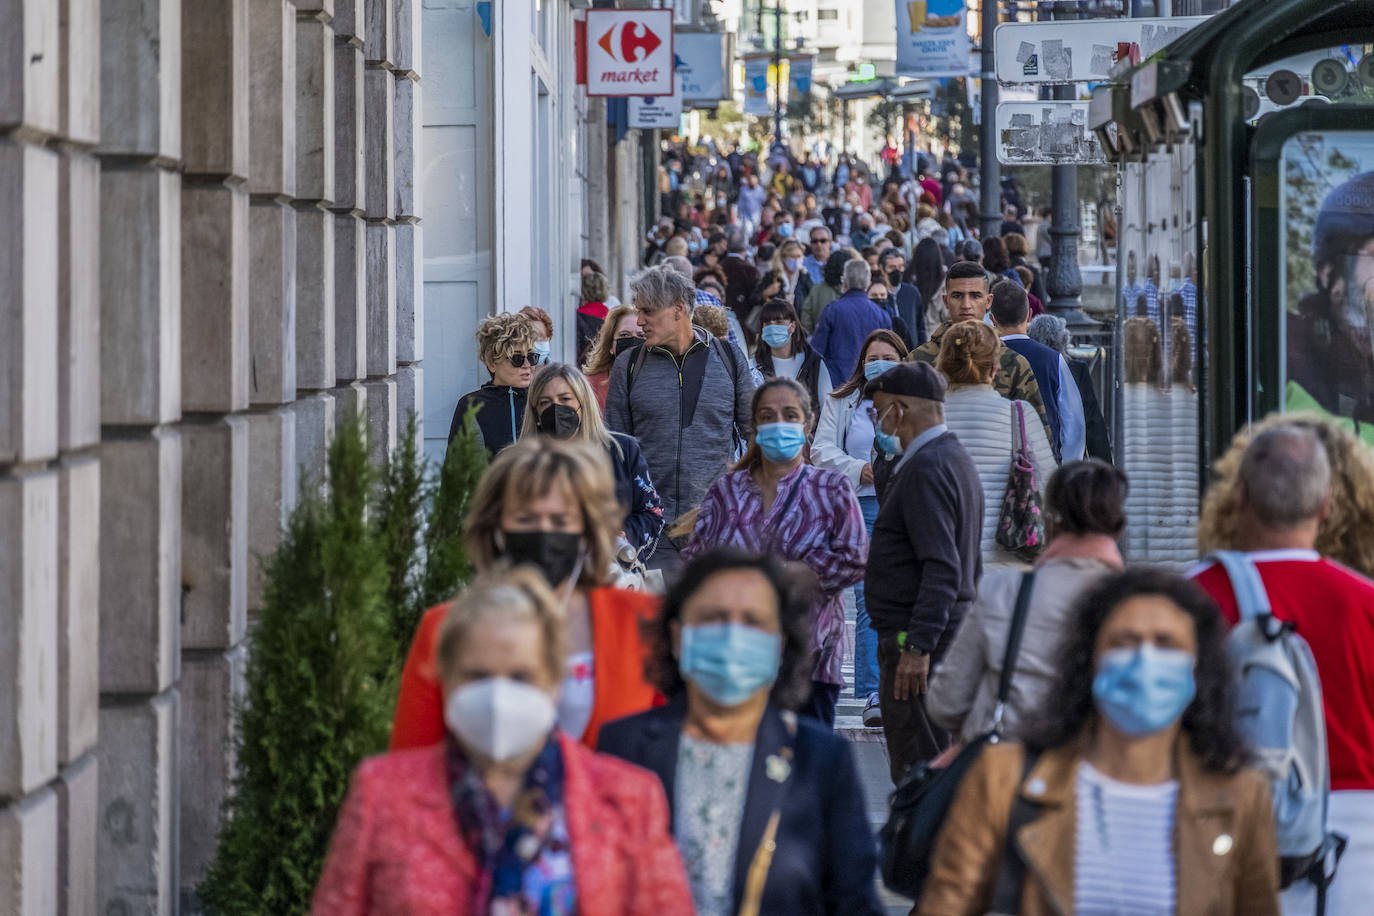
(858, 442)
(577, 696)
(789, 367)
(1124, 856)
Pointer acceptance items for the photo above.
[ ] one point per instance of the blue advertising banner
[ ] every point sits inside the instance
(756, 85)
(799, 75)
(932, 38)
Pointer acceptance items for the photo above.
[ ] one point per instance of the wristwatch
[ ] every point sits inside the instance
(909, 648)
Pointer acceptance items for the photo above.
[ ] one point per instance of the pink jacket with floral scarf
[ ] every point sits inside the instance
(397, 850)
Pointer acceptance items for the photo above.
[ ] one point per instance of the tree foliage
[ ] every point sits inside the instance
(342, 595)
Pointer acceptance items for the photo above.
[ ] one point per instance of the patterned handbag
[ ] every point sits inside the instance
(1021, 523)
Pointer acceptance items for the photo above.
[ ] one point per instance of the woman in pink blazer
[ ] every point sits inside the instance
(507, 816)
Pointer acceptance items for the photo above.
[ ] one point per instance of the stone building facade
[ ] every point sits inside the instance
(212, 250)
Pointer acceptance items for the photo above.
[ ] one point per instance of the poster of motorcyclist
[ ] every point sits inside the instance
(1328, 275)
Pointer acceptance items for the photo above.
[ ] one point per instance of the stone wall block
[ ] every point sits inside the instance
(350, 297)
(381, 299)
(78, 300)
(320, 9)
(406, 44)
(79, 70)
(78, 813)
(378, 26)
(410, 293)
(407, 148)
(78, 606)
(140, 296)
(214, 533)
(210, 684)
(28, 633)
(214, 298)
(314, 418)
(28, 849)
(140, 78)
(381, 419)
(136, 851)
(272, 97)
(348, 21)
(349, 401)
(314, 297)
(380, 90)
(140, 563)
(350, 189)
(28, 289)
(272, 303)
(29, 63)
(271, 489)
(410, 401)
(214, 87)
(314, 110)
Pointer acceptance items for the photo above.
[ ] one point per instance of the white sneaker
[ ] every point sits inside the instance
(873, 713)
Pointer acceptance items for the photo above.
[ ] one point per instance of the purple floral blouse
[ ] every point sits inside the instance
(815, 520)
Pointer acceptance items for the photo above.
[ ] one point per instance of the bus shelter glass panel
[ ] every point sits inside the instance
(1157, 340)
(1327, 275)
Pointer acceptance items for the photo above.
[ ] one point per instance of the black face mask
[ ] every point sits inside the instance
(553, 553)
(559, 421)
(627, 343)
(894, 278)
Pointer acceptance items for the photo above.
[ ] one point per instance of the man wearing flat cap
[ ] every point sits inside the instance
(924, 559)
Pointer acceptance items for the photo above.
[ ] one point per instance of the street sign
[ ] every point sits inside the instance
(630, 53)
(1046, 133)
(932, 38)
(700, 58)
(1080, 50)
(656, 111)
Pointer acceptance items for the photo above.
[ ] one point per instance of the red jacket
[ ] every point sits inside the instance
(397, 851)
(617, 657)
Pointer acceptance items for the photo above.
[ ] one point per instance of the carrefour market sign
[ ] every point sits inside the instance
(630, 52)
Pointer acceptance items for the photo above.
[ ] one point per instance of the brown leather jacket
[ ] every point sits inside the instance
(1224, 847)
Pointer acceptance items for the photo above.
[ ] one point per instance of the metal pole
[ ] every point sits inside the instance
(1065, 282)
(777, 69)
(991, 195)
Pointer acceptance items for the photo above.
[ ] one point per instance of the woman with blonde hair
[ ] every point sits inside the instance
(787, 263)
(1346, 535)
(989, 425)
(503, 812)
(619, 332)
(551, 504)
(560, 407)
(505, 345)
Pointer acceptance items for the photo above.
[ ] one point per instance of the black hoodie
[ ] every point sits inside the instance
(500, 414)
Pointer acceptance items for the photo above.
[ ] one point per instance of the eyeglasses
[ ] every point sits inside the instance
(518, 360)
(820, 241)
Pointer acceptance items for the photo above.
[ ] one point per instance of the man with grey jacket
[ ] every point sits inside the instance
(682, 393)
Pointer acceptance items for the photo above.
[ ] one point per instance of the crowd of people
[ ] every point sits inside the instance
(766, 425)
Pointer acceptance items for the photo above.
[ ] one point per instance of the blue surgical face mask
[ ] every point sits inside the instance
(693, 247)
(792, 264)
(776, 335)
(889, 443)
(780, 441)
(848, 207)
(543, 348)
(730, 662)
(876, 367)
(785, 229)
(1145, 689)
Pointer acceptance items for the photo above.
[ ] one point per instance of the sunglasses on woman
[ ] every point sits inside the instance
(518, 360)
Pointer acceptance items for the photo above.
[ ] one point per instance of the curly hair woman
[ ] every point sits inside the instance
(1133, 795)
(505, 345)
(747, 780)
(1346, 534)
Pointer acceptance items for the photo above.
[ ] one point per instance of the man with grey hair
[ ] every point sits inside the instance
(1283, 494)
(684, 394)
(740, 276)
(846, 323)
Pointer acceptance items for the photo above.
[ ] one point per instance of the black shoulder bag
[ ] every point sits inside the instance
(917, 808)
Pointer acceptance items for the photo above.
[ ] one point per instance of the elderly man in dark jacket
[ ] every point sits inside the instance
(685, 395)
(740, 276)
(846, 323)
(924, 559)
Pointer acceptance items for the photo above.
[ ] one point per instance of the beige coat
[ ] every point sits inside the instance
(1225, 855)
(963, 690)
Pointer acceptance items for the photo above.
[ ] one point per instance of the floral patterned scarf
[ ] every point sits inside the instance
(519, 852)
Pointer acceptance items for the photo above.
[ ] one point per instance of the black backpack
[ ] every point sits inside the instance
(918, 807)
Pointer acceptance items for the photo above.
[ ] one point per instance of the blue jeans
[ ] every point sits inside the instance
(865, 637)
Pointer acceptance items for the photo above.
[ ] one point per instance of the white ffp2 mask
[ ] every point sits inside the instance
(500, 718)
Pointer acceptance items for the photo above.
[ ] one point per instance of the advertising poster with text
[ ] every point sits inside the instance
(932, 38)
